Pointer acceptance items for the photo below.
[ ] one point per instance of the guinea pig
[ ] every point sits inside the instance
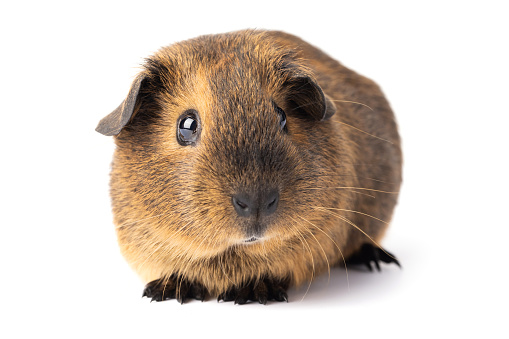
(247, 163)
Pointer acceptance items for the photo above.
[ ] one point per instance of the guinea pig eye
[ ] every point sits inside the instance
(188, 128)
(282, 118)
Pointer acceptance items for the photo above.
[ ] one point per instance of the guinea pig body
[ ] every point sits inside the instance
(249, 162)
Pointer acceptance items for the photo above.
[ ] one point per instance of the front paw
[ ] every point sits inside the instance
(174, 287)
(368, 254)
(261, 291)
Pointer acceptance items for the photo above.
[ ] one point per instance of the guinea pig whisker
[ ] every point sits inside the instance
(344, 123)
(178, 286)
(306, 245)
(165, 283)
(334, 100)
(348, 221)
(334, 242)
(352, 191)
(328, 175)
(345, 210)
(321, 247)
(366, 194)
(359, 229)
(371, 135)
(352, 188)
(353, 102)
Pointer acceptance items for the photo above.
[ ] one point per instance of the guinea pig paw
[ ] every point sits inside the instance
(174, 288)
(259, 291)
(159, 290)
(369, 253)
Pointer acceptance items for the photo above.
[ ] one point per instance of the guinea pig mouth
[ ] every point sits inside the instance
(252, 239)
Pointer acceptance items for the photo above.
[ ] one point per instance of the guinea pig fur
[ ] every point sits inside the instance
(249, 162)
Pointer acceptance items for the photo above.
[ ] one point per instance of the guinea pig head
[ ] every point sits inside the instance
(219, 146)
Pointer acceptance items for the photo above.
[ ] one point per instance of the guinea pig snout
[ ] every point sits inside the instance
(256, 204)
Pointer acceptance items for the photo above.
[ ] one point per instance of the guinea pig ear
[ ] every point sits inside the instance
(308, 99)
(113, 123)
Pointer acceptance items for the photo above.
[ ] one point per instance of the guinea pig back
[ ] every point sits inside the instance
(249, 162)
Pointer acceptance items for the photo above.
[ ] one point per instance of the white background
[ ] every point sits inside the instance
(444, 68)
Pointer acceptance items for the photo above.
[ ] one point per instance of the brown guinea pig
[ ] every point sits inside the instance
(249, 162)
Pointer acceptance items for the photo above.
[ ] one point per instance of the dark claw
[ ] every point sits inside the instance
(198, 292)
(150, 289)
(368, 254)
(261, 291)
(282, 296)
(239, 301)
(226, 296)
(242, 296)
(182, 292)
(166, 288)
(279, 293)
(262, 300)
(388, 258)
(368, 265)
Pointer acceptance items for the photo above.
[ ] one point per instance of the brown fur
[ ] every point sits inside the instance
(172, 204)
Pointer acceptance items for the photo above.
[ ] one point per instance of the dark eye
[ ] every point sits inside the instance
(282, 118)
(188, 128)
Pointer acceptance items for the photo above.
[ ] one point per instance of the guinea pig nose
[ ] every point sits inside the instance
(259, 204)
(244, 205)
(270, 203)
